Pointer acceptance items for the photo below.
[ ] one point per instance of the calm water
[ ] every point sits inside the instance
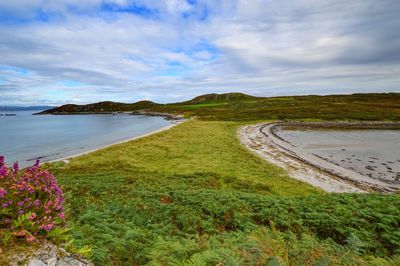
(26, 137)
(375, 153)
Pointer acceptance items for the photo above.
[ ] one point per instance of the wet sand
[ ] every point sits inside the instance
(305, 166)
(369, 152)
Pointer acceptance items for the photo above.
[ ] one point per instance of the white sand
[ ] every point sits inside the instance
(264, 145)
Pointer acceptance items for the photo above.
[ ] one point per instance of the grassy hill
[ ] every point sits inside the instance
(217, 98)
(371, 106)
(100, 107)
(242, 107)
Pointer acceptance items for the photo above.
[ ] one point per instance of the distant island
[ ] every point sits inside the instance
(243, 107)
(24, 108)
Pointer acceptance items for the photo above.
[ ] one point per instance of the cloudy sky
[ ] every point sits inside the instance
(80, 51)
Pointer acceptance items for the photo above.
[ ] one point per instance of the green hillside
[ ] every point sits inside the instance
(225, 97)
(242, 107)
(100, 107)
(372, 106)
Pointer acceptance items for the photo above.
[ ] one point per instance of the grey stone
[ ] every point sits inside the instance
(68, 261)
(36, 262)
(51, 261)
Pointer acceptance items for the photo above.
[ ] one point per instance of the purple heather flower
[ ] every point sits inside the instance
(3, 170)
(32, 217)
(5, 205)
(32, 189)
(30, 238)
(47, 227)
(61, 215)
(15, 168)
(3, 192)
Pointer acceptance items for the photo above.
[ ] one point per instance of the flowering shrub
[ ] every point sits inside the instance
(31, 203)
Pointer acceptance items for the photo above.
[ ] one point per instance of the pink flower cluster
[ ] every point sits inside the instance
(30, 193)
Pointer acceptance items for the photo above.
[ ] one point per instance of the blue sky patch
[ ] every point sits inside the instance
(72, 83)
(132, 8)
(16, 70)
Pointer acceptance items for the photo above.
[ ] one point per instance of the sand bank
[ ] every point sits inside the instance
(260, 139)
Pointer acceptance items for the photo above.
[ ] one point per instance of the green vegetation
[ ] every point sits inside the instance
(193, 195)
(31, 204)
(200, 105)
(31, 212)
(101, 107)
(242, 107)
(217, 98)
(372, 106)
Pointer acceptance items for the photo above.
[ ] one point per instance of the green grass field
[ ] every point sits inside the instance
(200, 105)
(194, 196)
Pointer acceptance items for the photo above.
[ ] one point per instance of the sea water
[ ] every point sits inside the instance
(26, 137)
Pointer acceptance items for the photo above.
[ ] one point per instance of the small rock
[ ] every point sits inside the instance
(68, 261)
(51, 262)
(369, 168)
(36, 262)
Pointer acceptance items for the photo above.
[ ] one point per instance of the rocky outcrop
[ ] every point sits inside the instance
(48, 255)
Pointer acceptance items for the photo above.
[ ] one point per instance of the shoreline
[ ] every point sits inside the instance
(339, 125)
(67, 158)
(262, 140)
(167, 116)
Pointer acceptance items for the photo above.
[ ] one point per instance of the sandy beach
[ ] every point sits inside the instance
(262, 140)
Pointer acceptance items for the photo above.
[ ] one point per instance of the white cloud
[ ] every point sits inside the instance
(182, 50)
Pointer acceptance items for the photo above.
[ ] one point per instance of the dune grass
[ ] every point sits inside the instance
(202, 152)
(194, 196)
